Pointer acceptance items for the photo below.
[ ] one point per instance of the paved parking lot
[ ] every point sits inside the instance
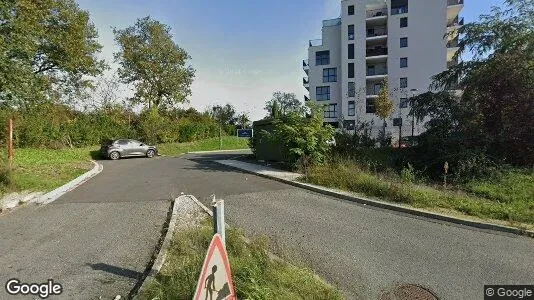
(98, 239)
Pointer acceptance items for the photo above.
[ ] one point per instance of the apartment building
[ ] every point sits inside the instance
(403, 41)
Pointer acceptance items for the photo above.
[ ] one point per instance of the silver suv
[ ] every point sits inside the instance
(115, 149)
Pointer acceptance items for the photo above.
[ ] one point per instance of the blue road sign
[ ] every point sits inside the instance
(245, 133)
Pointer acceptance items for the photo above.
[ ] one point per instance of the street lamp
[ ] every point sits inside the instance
(414, 91)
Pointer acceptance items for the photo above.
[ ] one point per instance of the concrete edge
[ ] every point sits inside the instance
(69, 186)
(390, 206)
(216, 151)
(162, 253)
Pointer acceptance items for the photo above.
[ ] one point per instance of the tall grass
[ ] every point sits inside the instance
(351, 176)
(255, 274)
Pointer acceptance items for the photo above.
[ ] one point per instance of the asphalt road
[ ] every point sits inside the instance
(97, 240)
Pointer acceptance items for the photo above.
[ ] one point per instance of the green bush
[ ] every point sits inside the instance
(297, 135)
(58, 126)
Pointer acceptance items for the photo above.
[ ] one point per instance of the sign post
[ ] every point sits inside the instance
(218, 219)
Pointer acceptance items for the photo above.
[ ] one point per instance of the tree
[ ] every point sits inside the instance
(497, 82)
(47, 51)
(224, 115)
(384, 106)
(287, 102)
(151, 61)
(243, 120)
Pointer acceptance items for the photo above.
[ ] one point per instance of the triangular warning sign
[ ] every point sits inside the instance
(215, 281)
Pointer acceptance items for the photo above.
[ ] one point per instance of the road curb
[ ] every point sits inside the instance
(162, 253)
(60, 191)
(389, 206)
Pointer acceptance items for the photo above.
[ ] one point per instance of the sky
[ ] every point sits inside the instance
(242, 50)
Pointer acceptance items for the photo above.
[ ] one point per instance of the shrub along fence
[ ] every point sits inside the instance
(58, 126)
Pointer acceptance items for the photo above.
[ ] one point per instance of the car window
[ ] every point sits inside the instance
(134, 142)
(123, 142)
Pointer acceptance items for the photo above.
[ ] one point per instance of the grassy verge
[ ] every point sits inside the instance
(45, 169)
(228, 143)
(255, 274)
(508, 199)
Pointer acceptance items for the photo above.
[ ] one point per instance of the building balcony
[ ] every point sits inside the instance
(377, 13)
(455, 2)
(453, 8)
(306, 66)
(306, 82)
(306, 98)
(451, 64)
(456, 22)
(452, 44)
(452, 48)
(377, 33)
(378, 51)
(371, 93)
(316, 43)
(332, 22)
(377, 72)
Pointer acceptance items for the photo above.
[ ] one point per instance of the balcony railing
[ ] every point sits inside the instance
(378, 70)
(399, 10)
(332, 22)
(316, 43)
(305, 64)
(305, 81)
(376, 52)
(306, 98)
(456, 22)
(452, 44)
(451, 64)
(454, 2)
(377, 13)
(377, 31)
(372, 91)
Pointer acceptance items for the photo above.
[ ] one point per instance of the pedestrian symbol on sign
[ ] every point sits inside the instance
(215, 282)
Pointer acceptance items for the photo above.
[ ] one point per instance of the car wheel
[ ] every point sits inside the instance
(150, 153)
(114, 155)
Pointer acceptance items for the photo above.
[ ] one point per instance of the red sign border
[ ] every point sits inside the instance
(216, 241)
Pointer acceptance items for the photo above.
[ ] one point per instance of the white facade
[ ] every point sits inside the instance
(378, 27)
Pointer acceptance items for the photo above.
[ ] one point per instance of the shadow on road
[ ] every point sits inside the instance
(116, 270)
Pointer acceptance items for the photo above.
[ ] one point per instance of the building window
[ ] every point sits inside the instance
(404, 62)
(351, 89)
(399, 7)
(403, 102)
(329, 75)
(322, 58)
(351, 51)
(352, 109)
(330, 111)
(403, 82)
(351, 70)
(370, 106)
(322, 93)
(404, 42)
(404, 22)
(351, 10)
(351, 32)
